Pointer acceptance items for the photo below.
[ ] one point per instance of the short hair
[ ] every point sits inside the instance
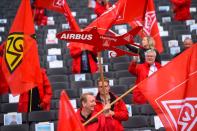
(104, 78)
(83, 97)
(150, 50)
(187, 38)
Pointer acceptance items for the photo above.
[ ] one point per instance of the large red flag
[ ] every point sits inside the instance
(149, 23)
(20, 63)
(68, 120)
(172, 92)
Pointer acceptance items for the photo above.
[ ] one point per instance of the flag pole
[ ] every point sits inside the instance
(102, 77)
(120, 97)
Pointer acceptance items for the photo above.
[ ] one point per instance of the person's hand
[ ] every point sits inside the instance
(135, 58)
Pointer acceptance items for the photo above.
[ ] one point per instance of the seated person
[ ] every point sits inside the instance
(39, 98)
(102, 123)
(118, 111)
(142, 71)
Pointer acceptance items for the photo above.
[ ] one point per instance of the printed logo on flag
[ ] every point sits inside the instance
(14, 50)
(187, 108)
(58, 3)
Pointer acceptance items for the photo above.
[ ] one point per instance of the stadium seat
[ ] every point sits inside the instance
(41, 116)
(136, 122)
(23, 127)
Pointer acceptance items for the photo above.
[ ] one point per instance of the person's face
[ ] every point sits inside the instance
(90, 103)
(145, 43)
(106, 87)
(150, 58)
(187, 43)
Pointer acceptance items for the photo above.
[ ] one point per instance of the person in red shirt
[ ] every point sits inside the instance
(181, 9)
(142, 71)
(39, 98)
(102, 123)
(118, 111)
(84, 59)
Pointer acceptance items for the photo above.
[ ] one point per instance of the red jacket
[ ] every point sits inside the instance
(101, 123)
(141, 71)
(45, 92)
(75, 53)
(119, 108)
(181, 9)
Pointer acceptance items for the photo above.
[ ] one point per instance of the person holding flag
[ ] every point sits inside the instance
(142, 71)
(147, 43)
(103, 122)
(118, 111)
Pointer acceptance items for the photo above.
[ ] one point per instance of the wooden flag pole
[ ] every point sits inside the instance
(120, 97)
(102, 76)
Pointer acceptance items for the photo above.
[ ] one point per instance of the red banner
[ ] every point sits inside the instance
(172, 92)
(20, 63)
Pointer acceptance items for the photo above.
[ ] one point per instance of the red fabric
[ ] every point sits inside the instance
(133, 10)
(172, 92)
(150, 27)
(101, 123)
(39, 16)
(68, 120)
(100, 9)
(121, 113)
(3, 83)
(181, 9)
(20, 63)
(45, 93)
(141, 71)
(75, 53)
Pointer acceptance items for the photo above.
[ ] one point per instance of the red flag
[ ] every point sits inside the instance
(68, 120)
(60, 6)
(172, 92)
(150, 27)
(107, 19)
(20, 63)
(126, 15)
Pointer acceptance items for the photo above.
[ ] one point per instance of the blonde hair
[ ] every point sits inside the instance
(151, 42)
(104, 78)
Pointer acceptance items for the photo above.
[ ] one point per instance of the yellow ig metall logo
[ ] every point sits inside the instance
(14, 50)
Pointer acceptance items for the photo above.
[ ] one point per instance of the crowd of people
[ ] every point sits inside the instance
(143, 66)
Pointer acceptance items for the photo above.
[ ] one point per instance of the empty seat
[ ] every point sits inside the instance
(72, 93)
(9, 107)
(128, 99)
(147, 109)
(129, 81)
(95, 76)
(120, 66)
(120, 59)
(136, 122)
(41, 116)
(22, 127)
(123, 73)
(79, 84)
(118, 89)
(60, 85)
(58, 78)
(56, 71)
